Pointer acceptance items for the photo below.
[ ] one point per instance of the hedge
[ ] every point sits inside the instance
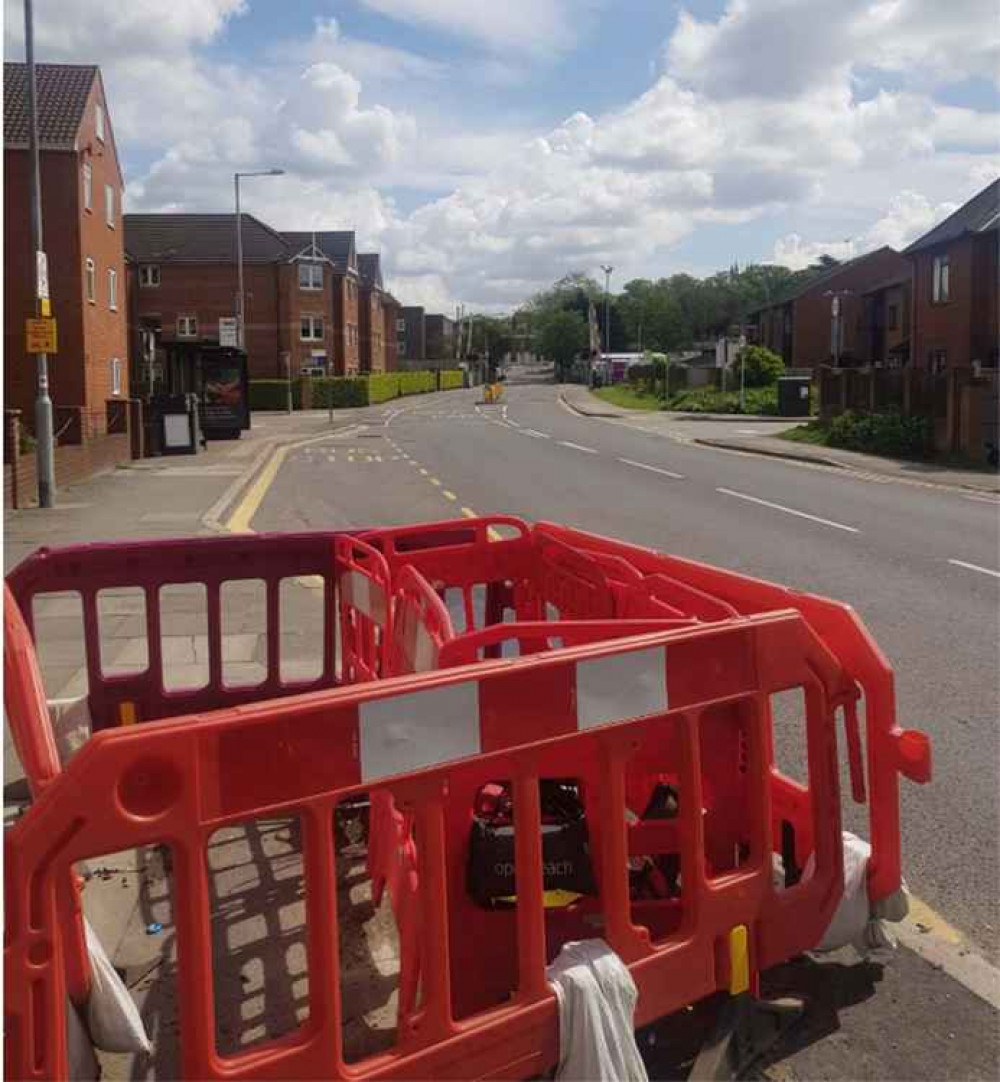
(272, 394)
(416, 382)
(882, 434)
(339, 392)
(452, 379)
(382, 387)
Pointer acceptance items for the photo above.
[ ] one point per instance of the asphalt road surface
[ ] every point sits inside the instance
(920, 565)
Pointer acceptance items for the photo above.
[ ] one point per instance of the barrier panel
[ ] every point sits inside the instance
(606, 715)
(888, 750)
(364, 599)
(202, 563)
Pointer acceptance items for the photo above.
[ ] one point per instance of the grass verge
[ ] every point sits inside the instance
(627, 398)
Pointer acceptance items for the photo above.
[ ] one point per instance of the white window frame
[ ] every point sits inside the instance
(401, 325)
(149, 275)
(941, 282)
(311, 285)
(99, 121)
(187, 326)
(116, 376)
(90, 279)
(112, 289)
(315, 331)
(109, 205)
(88, 186)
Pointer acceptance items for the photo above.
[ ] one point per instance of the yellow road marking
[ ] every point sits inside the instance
(921, 913)
(433, 480)
(448, 495)
(469, 513)
(239, 520)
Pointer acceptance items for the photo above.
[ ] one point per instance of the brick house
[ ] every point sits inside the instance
(955, 287)
(340, 254)
(886, 314)
(82, 187)
(799, 327)
(412, 334)
(371, 321)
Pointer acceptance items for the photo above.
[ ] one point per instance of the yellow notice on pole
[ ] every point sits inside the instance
(41, 335)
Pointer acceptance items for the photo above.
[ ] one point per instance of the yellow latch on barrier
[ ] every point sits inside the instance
(739, 960)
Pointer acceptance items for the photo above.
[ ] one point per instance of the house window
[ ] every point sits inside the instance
(88, 186)
(401, 348)
(90, 278)
(113, 290)
(938, 360)
(310, 276)
(311, 328)
(116, 376)
(942, 280)
(149, 275)
(400, 324)
(187, 326)
(893, 317)
(109, 205)
(99, 121)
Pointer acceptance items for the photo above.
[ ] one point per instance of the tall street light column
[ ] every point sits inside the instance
(607, 268)
(240, 294)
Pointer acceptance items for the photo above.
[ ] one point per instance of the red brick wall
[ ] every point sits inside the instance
(943, 326)
(61, 237)
(390, 313)
(72, 465)
(371, 329)
(105, 330)
(347, 359)
(208, 291)
(985, 300)
(296, 303)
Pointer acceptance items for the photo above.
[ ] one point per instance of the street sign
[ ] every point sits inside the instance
(227, 332)
(42, 276)
(41, 335)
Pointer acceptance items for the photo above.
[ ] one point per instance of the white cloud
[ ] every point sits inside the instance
(532, 26)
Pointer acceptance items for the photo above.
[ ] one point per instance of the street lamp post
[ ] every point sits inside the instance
(607, 268)
(240, 295)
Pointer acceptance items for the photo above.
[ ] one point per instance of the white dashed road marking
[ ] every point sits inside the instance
(788, 510)
(976, 567)
(652, 469)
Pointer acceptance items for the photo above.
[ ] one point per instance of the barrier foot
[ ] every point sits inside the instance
(745, 1029)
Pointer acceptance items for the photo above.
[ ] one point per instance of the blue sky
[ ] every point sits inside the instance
(487, 147)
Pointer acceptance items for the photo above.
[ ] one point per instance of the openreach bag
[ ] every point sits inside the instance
(112, 1017)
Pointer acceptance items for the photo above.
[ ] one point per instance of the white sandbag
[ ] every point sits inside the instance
(597, 998)
(112, 1017)
(856, 921)
(71, 726)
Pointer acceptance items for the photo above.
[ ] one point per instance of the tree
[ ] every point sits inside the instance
(560, 336)
(761, 367)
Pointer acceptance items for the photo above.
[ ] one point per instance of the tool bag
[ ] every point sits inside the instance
(566, 863)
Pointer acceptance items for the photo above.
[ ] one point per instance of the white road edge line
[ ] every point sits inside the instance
(788, 510)
(538, 435)
(578, 447)
(984, 499)
(976, 567)
(652, 469)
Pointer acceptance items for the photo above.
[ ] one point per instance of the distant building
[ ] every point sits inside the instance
(391, 320)
(82, 188)
(370, 315)
(440, 332)
(412, 340)
(886, 317)
(955, 287)
(800, 326)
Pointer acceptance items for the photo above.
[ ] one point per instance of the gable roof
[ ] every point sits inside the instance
(200, 238)
(370, 269)
(336, 245)
(62, 92)
(980, 214)
(824, 279)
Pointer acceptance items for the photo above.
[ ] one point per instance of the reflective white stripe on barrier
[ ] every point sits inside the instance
(421, 729)
(425, 652)
(366, 596)
(621, 686)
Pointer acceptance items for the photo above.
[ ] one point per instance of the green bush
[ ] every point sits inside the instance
(761, 367)
(452, 379)
(758, 400)
(882, 434)
(340, 392)
(272, 394)
(382, 386)
(417, 382)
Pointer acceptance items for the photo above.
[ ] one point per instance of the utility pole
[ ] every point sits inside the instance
(607, 268)
(44, 438)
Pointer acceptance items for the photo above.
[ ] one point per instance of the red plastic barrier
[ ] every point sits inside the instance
(890, 750)
(150, 566)
(364, 590)
(603, 714)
